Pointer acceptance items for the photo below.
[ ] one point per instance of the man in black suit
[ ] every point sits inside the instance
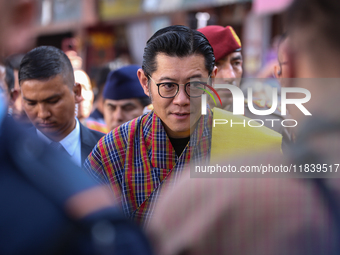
(50, 95)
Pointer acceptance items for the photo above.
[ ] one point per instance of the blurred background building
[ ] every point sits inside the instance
(116, 31)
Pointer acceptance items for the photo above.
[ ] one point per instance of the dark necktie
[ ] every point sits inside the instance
(57, 146)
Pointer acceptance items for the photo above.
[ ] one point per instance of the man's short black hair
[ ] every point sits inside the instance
(177, 41)
(46, 62)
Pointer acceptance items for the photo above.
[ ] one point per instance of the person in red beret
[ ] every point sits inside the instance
(228, 58)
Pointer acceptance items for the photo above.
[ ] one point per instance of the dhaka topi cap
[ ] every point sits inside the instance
(223, 40)
(123, 83)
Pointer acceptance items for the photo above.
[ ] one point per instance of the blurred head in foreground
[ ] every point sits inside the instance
(312, 50)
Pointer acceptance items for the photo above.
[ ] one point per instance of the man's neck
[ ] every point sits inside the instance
(57, 137)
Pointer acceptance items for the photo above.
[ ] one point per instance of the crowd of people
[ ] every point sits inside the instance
(111, 172)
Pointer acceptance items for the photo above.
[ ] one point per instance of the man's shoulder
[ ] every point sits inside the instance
(113, 147)
(273, 121)
(133, 125)
(85, 132)
(121, 134)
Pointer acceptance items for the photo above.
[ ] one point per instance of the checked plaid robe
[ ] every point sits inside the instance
(137, 159)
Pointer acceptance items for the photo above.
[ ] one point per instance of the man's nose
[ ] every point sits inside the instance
(181, 98)
(118, 115)
(43, 111)
(228, 74)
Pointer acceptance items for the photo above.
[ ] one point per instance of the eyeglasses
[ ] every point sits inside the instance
(170, 89)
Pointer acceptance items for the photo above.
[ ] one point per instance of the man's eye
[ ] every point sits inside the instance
(30, 103)
(129, 108)
(196, 84)
(53, 101)
(237, 63)
(112, 107)
(168, 86)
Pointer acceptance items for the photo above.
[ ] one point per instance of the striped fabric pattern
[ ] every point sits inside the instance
(137, 159)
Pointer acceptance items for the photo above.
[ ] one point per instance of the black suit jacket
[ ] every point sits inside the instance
(88, 139)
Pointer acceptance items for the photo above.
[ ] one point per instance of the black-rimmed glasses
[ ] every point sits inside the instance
(170, 89)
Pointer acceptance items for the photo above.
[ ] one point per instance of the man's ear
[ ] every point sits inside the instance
(213, 76)
(214, 72)
(77, 93)
(143, 81)
(277, 71)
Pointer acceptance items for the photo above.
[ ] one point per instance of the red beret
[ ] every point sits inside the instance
(223, 40)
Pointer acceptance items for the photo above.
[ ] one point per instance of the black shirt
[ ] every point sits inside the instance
(179, 144)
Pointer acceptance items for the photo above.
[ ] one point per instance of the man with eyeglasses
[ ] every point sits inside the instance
(140, 157)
